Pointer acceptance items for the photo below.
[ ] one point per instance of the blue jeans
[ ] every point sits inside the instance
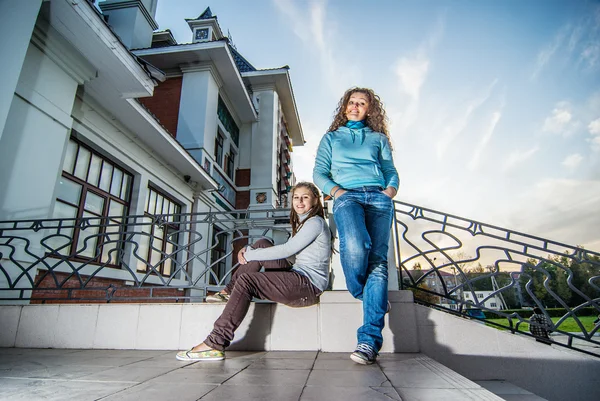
(364, 220)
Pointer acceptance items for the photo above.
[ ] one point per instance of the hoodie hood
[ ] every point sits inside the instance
(359, 133)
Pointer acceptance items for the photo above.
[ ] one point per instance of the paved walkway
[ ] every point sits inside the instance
(53, 374)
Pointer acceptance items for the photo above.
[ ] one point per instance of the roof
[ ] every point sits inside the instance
(242, 64)
(206, 14)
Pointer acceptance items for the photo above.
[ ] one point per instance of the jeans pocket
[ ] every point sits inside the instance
(340, 200)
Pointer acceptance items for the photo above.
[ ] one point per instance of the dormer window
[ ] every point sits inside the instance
(202, 34)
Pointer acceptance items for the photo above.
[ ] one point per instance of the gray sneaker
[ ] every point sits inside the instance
(364, 354)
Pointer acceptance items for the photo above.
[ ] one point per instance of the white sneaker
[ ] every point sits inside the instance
(217, 298)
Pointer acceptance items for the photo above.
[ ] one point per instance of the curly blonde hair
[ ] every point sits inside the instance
(376, 118)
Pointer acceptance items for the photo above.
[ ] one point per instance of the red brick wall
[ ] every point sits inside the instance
(47, 292)
(242, 199)
(242, 177)
(165, 103)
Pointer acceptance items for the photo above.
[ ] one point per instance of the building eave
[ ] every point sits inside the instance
(280, 77)
(83, 27)
(217, 53)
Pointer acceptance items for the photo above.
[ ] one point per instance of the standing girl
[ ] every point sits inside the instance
(297, 285)
(354, 165)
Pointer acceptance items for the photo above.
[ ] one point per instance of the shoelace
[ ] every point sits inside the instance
(367, 350)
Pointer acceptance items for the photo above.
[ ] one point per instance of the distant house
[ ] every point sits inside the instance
(484, 298)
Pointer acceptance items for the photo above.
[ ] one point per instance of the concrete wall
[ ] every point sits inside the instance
(197, 121)
(35, 135)
(18, 19)
(328, 326)
(485, 353)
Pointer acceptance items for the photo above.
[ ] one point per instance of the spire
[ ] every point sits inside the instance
(205, 27)
(206, 14)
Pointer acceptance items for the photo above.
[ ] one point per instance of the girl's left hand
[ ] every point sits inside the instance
(390, 191)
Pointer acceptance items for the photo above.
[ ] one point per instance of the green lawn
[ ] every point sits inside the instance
(568, 325)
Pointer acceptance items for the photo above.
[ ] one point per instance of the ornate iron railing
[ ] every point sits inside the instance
(459, 265)
(137, 258)
(498, 275)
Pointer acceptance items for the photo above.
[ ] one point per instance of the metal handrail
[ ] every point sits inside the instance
(508, 267)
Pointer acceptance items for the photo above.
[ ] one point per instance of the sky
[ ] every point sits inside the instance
(494, 106)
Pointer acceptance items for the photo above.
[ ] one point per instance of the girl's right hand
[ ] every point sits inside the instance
(241, 259)
(340, 192)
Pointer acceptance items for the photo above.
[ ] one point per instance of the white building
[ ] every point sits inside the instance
(100, 116)
(485, 299)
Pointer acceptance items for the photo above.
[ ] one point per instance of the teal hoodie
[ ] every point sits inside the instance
(353, 158)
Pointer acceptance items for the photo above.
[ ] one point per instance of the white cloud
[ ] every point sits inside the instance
(575, 45)
(572, 161)
(518, 157)
(558, 122)
(339, 73)
(591, 54)
(554, 207)
(452, 129)
(595, 142)
(485, 139)
(546, 54)
(412, 74)
(594, 127)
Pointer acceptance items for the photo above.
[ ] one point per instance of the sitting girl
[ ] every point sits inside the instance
(296, 285)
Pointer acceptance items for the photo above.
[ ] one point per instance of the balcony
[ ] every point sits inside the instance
(88, 299)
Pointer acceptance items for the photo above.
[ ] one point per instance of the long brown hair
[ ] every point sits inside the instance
(376, 118)
(316, 210)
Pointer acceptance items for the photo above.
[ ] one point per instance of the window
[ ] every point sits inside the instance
(92, 187)
(219, 149)
(493, 305)
(229, 164)
(218, 256)
(228, 122)
(480, 296)
(160, 239)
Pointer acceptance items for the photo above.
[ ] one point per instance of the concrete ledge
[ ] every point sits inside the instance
(329, 326)
(479, 352)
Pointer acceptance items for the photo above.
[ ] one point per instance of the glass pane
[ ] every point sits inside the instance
(156, 256)
(70, 157)
(142, 252)
(115, 187)
(110, 252)
(94, 203)
(64, 211)
(107, 169)
(171, 211)
(159, 204)
(88, 238)
(64, 236)
(159, 234)
(152, 203)
(95, 167)
(116, 209)
(68, 191)
(169, 263)
(125, 188)
(157, 243)
(83, 161)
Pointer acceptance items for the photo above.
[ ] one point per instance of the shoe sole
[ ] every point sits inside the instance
(360, 361)
(186, 359)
